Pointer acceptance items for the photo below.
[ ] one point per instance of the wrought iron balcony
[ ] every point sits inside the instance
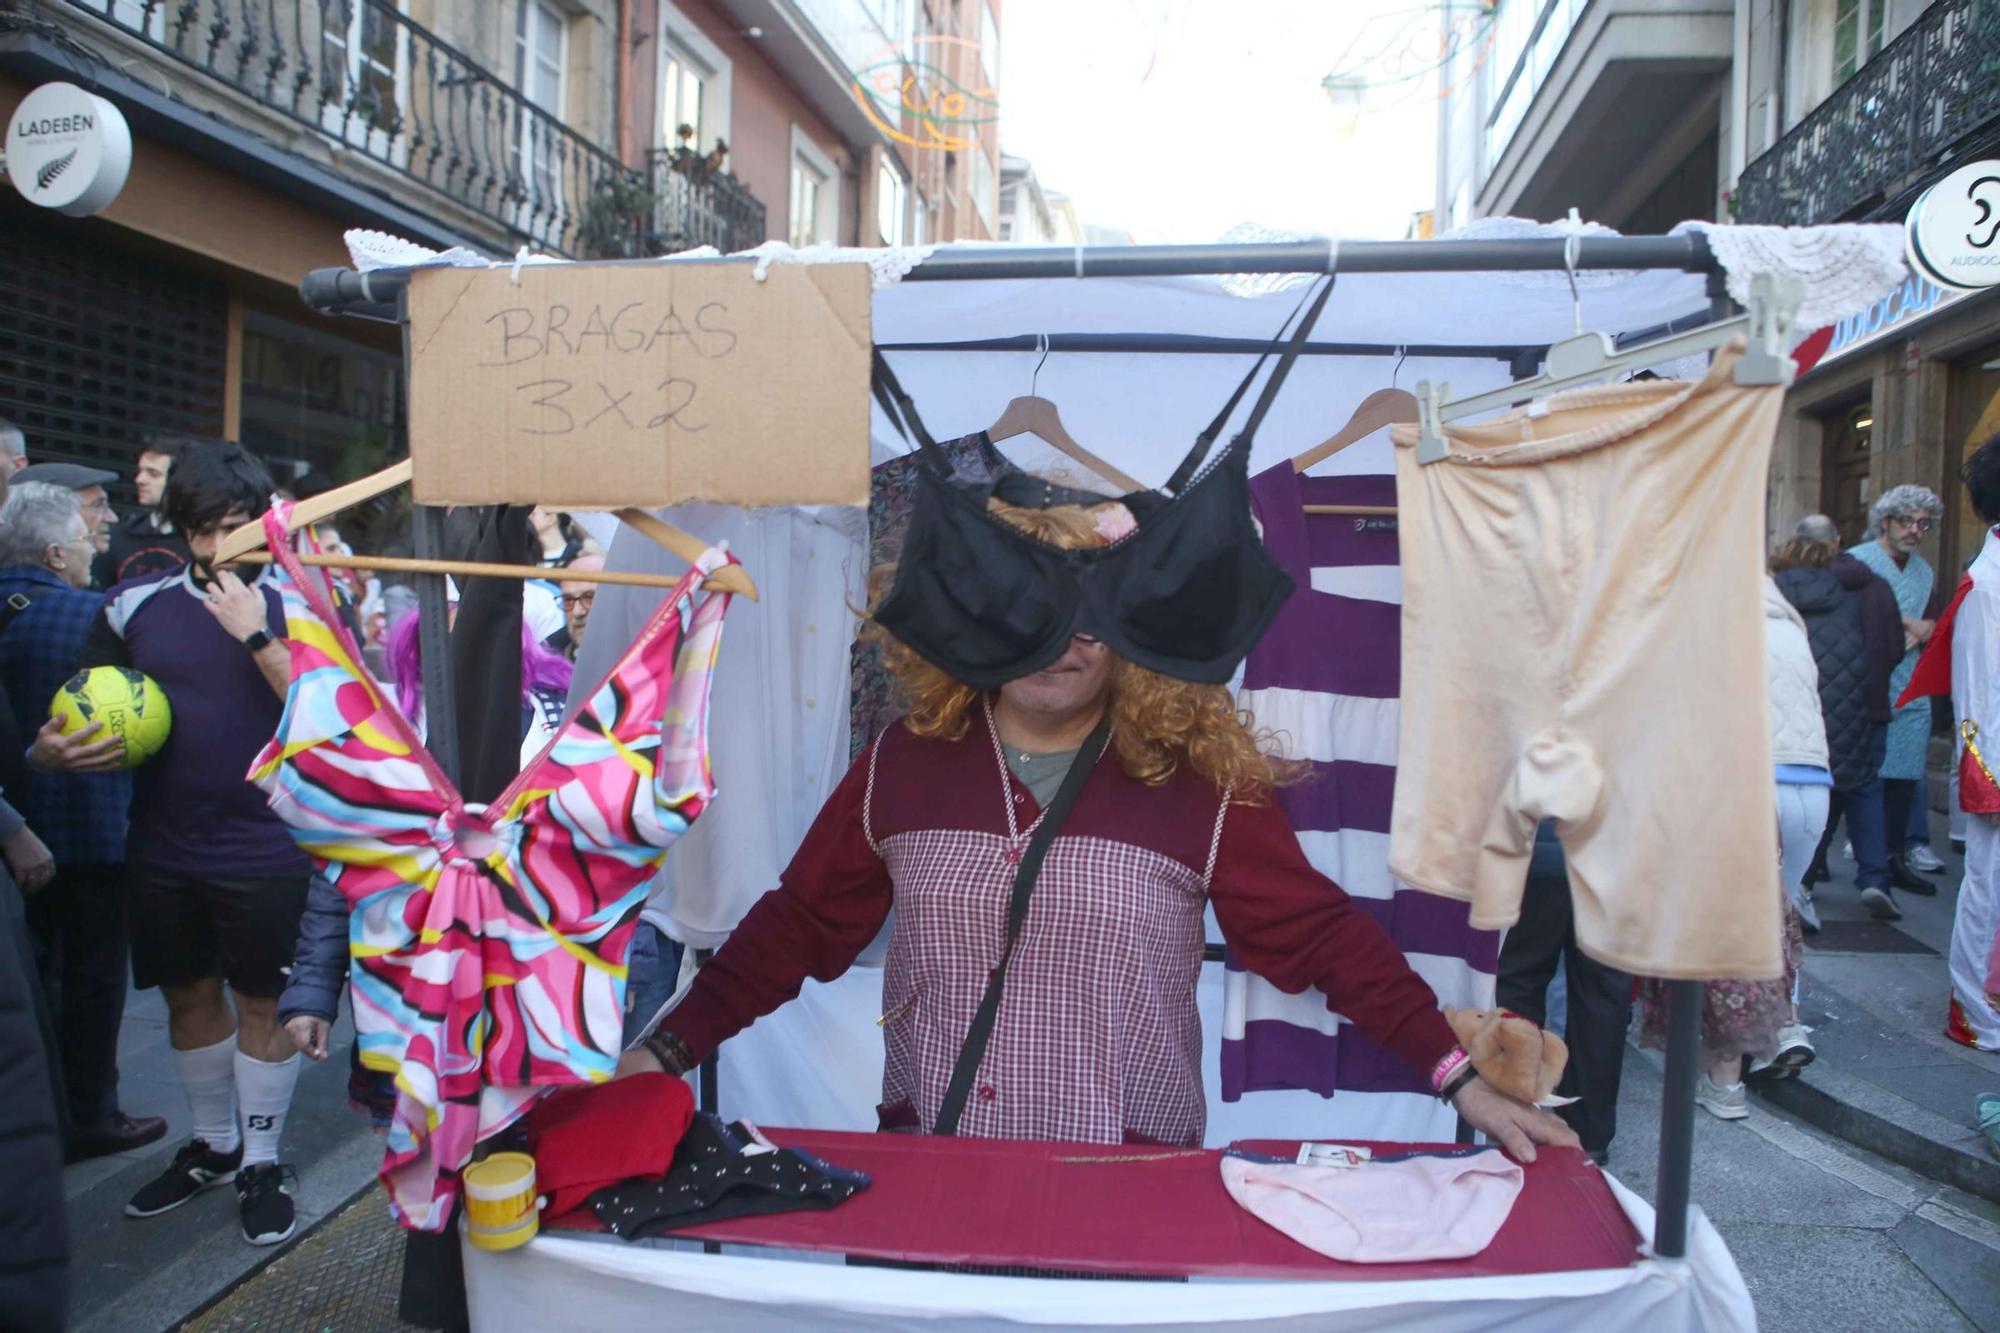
(1935, 86)
(695, 204)
(362, 74)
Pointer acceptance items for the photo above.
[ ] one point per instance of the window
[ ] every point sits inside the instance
(694, 85)
(1857, 35)
(360, 69)
(985, 186)
(989, 43)
(1528, 40)
(920, 223)
(891, 203)
(815, 201)
(541, 45)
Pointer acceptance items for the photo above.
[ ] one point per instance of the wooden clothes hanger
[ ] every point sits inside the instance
(1037, 416)
(1379, 410)
(248, 544)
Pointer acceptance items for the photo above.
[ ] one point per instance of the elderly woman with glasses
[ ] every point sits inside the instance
(1898, 523)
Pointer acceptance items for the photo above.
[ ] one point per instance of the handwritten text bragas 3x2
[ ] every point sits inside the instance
(579, 401)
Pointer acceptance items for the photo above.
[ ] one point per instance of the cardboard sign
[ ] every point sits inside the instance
(592, 386)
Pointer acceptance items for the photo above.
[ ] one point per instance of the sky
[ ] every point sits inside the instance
(1179, 119)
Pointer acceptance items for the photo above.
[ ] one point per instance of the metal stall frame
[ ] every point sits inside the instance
(381, 294)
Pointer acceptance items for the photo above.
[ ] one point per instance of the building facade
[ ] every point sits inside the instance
(1031, 214)
(260, 134)
(1852, 109)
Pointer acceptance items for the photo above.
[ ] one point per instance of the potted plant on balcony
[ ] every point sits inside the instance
(615, 217)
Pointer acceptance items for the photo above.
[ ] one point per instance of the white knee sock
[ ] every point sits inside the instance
(208, 1074)
(266, 1090)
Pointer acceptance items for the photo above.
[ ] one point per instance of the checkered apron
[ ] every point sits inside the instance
(1097, 1038)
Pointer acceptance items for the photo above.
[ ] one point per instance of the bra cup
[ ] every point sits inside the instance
(1194, 594)
(974, 602)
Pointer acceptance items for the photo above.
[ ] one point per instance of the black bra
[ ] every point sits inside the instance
(1186, 594)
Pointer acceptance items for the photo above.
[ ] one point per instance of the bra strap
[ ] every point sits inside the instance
(901, 409)
(1206, 440)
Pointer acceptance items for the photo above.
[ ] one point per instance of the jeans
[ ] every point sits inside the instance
(1906, 814)
(652, 970)
(1867, 827)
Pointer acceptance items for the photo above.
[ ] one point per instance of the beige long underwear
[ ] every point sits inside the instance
(1583, 641)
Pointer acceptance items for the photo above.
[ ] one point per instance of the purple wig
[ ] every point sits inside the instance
(542, 668)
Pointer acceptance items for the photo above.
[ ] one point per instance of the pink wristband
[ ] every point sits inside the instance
(1442, 1071)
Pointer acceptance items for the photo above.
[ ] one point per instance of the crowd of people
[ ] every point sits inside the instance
(174, 873)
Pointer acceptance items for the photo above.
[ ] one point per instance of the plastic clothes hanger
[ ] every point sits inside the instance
(1591, 357)
(247, 544)
(1037, 416)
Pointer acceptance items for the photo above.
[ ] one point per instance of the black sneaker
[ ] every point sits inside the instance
(196, 1167)
(268, 1215)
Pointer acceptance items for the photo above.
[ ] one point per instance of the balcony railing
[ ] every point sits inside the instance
(1901, 114)
(694, 205)
(363, 75)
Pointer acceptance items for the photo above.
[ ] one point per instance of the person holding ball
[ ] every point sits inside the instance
(217, 883)
(76, 913)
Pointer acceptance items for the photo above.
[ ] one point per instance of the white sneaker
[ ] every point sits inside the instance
(1795, 1052)
(1724, 1103)
(1919, 856)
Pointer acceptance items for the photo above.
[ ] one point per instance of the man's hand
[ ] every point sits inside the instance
(1515, 1126)
(77, 752)
(309, 1035)
(28, 860)
(1919, 631)
(240, 609)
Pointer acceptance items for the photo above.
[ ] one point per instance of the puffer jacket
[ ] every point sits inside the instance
(1840, 648)
(319, 961)
(1798, 736)
(1881, 624)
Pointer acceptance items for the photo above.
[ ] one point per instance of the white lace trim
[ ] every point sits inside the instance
(372, 250)
(1847, 266)
(886, 267)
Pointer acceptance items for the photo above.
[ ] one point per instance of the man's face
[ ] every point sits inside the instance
(69, 560)
(203, 543)
(96, 506)
(150, 479)
(576, 600)
(1077, 681)
(1906, 532)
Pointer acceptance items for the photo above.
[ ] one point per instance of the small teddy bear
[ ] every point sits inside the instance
(1511, 1053)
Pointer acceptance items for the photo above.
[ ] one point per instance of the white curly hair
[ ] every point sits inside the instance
(1906, 501)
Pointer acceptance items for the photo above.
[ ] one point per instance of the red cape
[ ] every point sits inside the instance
(1933, 673)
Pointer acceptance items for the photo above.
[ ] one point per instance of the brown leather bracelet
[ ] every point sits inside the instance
(672, 1053)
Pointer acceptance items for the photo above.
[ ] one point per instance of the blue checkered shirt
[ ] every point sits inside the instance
(81, 816)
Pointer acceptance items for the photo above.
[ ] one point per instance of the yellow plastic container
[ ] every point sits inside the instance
(501, 1210)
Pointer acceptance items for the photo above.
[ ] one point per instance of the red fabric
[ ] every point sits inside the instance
(1807, 354)
(1285, 920)
(1932, 674)
(586, 1138)
(996, 1201)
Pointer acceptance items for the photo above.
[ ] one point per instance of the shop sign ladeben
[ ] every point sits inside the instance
(1954, 229)
(68, 149)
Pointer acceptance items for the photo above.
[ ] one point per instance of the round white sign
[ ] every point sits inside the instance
(1954, 229)
(68, 149)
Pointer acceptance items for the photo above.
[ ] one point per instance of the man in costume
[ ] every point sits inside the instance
(1898, 522)
(1095, 1035)
(1973, 636)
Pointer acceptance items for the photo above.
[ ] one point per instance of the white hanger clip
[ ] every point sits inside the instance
(520, 258)
(1774, 307)
(1431, 447)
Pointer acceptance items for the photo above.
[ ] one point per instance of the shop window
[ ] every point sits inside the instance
(1846, 483)
(316, 405)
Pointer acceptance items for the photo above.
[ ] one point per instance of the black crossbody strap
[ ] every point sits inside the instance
(900, 408)
(13, 604)
(981, 1032)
